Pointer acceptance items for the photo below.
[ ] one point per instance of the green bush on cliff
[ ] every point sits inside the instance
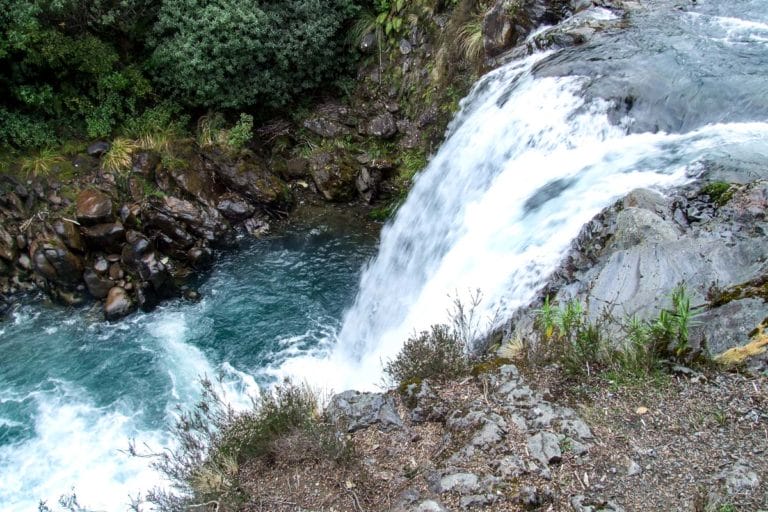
(437, 354)
(237, 54)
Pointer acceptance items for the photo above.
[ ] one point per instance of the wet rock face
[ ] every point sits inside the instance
(93, 207)
(97, 285)
(198, 182)
(634, 253)
(7, 246)
(57, 264)
(109, 237)
(69, 234)
(509, 21)
(118, 304)
(251, 177)
(235, 207)
(145, 163)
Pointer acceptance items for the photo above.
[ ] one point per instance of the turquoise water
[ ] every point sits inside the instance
(75, 389)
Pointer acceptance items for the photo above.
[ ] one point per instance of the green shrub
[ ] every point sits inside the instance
(166, 118)
(236, 54)
(240, 134)
(438, 354)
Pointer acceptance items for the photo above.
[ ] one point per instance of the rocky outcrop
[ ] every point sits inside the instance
(506, 433)
(508, 22)
(629, 258)
(250, 176)
(351, 411)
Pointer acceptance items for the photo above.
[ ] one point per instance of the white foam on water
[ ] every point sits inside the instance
(732, 30)
(77, 447)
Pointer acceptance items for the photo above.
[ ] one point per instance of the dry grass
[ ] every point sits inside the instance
(118, 158)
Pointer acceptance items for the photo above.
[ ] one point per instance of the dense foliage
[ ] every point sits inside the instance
(61, 74)
(74, 69)
(234, 54)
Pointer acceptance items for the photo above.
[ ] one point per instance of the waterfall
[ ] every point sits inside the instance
(528, 160)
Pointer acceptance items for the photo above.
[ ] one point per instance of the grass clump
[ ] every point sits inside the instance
(118, 158)
(437, 354)
(566, 335)
(215, 443)
(40, 164)
(212, 131)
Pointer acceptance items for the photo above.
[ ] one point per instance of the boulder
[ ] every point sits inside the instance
(334, 174)
(146, 297)
(172, 234)
(351, 411)
(327, 128)
(93, 207)
(7, 245)
(545, 447)
(200, 257)
(198, 182)
(69, 234)
(257, 226)
(105, 237)
(508, 22)
(234, 207)
(152, 270)
(382, 126)
(97, 286)
(14, 204)
(118, 304)
(98, 148)
(57, 264)
(632, 255)
(367, 183)
(206, 223)
(498, 34)
(145, 163)
(250, 176)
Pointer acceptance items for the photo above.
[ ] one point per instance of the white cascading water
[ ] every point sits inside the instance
(526, 163)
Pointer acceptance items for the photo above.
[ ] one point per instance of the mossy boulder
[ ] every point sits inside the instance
(334, 173)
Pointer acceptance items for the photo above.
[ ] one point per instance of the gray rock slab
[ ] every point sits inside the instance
(353, 411)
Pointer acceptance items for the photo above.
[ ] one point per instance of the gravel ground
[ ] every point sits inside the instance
(687, 442)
